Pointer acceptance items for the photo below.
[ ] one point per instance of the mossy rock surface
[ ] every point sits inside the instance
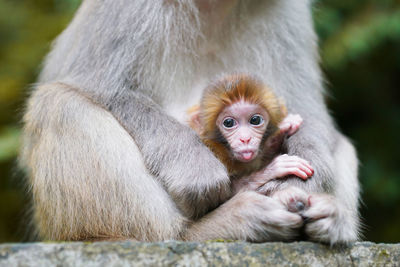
(174, 253)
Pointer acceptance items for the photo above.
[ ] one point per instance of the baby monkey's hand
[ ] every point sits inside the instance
(281, 166)
(285, 165)
(290, 124)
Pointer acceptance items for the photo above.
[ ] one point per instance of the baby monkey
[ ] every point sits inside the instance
(245, 125)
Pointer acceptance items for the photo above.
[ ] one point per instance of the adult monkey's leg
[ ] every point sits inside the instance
(87, 174)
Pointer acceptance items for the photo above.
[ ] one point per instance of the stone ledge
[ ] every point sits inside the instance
(197, 254)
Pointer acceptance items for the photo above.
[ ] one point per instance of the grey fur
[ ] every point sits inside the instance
(139, 64)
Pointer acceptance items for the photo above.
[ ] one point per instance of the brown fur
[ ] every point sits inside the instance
(223, 93)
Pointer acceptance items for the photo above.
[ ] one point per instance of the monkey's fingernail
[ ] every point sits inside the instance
(300, 206)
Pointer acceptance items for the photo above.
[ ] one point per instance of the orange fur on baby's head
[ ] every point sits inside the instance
(229, 90)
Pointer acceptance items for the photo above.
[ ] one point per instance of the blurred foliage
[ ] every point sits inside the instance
(9, 142)
(360, 50)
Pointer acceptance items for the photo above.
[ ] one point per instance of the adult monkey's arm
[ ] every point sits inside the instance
(334, 190)
(191, 174)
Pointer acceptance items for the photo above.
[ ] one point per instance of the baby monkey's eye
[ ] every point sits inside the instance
(229, 123)
(256, 120)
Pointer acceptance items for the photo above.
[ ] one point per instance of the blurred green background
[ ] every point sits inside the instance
(360, 48)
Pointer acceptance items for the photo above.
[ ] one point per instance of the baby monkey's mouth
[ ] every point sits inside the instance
(246, 155)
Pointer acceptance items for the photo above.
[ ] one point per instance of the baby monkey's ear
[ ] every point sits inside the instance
(194, 119)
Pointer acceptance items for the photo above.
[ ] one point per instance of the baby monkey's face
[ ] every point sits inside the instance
(243, 125)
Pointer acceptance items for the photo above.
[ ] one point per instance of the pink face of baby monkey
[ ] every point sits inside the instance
(243, 125)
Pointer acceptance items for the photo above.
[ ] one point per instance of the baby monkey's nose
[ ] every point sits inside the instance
(245, 140)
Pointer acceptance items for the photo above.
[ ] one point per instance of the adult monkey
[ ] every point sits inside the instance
(108, 158)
